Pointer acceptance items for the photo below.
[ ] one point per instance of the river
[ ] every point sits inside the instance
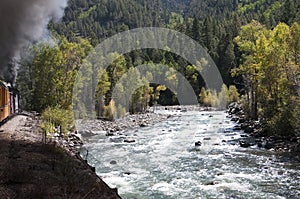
(164, 163)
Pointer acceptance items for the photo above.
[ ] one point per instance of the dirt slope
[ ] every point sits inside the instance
(30, 169)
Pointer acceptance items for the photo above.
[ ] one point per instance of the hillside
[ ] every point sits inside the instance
(212, 23)
(99, 19)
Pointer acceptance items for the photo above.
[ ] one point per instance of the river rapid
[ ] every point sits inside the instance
(162, 161)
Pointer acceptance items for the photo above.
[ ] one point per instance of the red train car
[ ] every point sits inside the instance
(9, 101)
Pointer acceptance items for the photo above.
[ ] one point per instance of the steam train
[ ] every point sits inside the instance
(9, 101)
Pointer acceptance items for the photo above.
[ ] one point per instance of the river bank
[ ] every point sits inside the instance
(31, 169)
(260, 137)
(90, 127)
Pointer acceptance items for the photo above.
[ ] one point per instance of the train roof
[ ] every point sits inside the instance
(5, 84)
(9, 87)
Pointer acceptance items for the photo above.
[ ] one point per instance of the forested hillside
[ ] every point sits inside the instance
(212, 23)
(215, 24)
(98, 19)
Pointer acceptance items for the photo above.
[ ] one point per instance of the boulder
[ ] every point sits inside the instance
(244, 136)
(198, 143)
(245, 143)
(235, 119)
(237, 128)
(109, 133)
(249, 129)
(212, 183)
(113, 162)
(270, 144)
(242, 120)
(259, 144)
(143, 125)
(129, 141)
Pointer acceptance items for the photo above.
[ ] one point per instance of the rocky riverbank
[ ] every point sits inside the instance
(87, 127)
(73, 141)
(31, 169)
(258, 136)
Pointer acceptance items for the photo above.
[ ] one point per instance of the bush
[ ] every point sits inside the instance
(233, 94)
(223, 97)
(285, 120)
(210, 98)
(203, 96)
(54, 117)
(110, 111)
(121, 111)
(215, 99)
(206, 98)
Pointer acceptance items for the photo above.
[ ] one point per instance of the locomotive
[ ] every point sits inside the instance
(9, 101)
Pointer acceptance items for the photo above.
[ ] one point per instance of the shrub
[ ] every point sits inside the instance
(233, 94)
(54, 117)
(220, 100)
(285, 120)
(121, 111)
(110, 111)
(223, 97)
(203, 96)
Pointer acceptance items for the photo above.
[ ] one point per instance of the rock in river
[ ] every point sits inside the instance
(113, 162)
(198, 143)
(129, 141)
(246, 143)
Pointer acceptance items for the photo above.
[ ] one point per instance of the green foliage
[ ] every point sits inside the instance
(102, 89)
(48, 80)
(203, 96)
(156, 93)
(208, 100)
(222, 99)
(270, 81)
(56, 117)
(121, 111)
(271, 74)
(211, 23)
(175, 21)
(247, 6)
(275, 6)
(134, 91)
(87, 13)
(224, 96)
(206, 97)
(233, 94)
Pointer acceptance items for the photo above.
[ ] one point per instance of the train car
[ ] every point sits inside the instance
(9, 101)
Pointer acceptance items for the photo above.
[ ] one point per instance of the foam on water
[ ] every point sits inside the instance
(165, 163)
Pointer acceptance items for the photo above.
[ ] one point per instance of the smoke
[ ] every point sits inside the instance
(22, 22)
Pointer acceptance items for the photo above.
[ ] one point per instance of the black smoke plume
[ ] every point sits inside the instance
(22, 22)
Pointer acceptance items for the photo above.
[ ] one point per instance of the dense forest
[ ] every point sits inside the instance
(255, 44)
